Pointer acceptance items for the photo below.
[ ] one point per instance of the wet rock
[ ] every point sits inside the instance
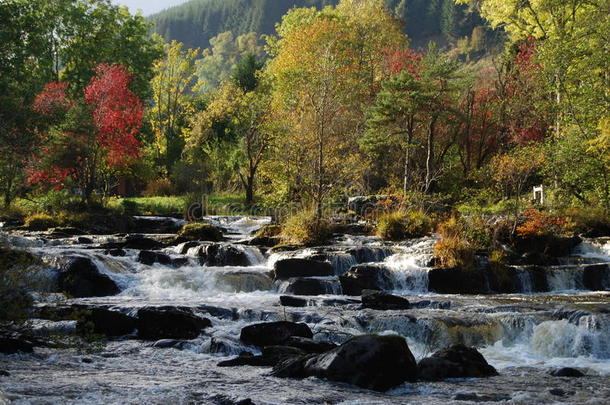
(156, 225)
(180, 262)
(270, 356)
(223, 255)
(184, 248)
(596, 277)
(561, 393)
(366, 277)
(84, 241)
(311, 286)
(309, 345)
(199, 232)
(169, 344)
(273, 333)
(567, 372)
(141, 242)
(106, 322)
(149, 258)
(382, 301)
(11, 343)
(65, 231)
(456, 281)
(457, 361)
(474, 397)
(169, 323)
(4, 373)
(86, 360)
(115, 252)
(266, 241)
(373, 362)
(80, 277)
(289, 301)
(298, 267)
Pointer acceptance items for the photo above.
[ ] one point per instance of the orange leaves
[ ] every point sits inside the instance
(539, 223)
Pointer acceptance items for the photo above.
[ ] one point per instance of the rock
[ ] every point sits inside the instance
(561, 393)
(80, 277)
(188, 245)
(289, 301)
(456, 281)
(200, 231)
(383, 301)
(223, 255)
(373, 362)
(567, 372)
(180, 262)
(4, 373)
(311, 286)
(149, 258)
(457, 361)
(273, 333)
(86, 360)
(84, 241)
(169, 344)
(115, 252)
(156, 225)
(13, 343)
(65, 231)
(106, 322)
(141, 242)
(365, 277)
(474, 397)
(298, 267)
(270, 356)
(169, 323)
(266, 241)
(309, 345)
(596, 277)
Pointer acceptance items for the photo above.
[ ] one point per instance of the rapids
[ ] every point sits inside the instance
(523, 335)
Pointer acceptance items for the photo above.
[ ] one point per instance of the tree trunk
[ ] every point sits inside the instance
(430, 156)
(407, 172)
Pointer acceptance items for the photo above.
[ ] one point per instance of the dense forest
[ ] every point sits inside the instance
(197, 21)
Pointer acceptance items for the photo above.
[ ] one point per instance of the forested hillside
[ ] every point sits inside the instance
(197, 21)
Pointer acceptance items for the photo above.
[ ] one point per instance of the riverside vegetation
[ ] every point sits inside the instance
(357, 174)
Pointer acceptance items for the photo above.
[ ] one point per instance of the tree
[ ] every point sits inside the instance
(172, 85)
(95, 135)
(245, 73)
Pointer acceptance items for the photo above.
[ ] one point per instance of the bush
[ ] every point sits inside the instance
(400, 225)
(590, 222)
(200, 231)
(537, 223)
(268, 231)
(454, 249)
(160, 187)
(304, 229)
(40, 222)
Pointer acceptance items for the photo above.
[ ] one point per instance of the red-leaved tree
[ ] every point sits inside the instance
(91, 138)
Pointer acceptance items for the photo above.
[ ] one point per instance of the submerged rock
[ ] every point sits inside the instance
(270, 356)
(311, 286)
(273, 333)
(373, 362)
(457, 361)
(169, 323)
(366, 277)
(382, 301)
(289, 301)
(80, 277)
(298, 267)
(567, 372)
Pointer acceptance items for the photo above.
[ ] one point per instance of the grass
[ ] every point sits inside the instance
(303, 229)
(399, 225)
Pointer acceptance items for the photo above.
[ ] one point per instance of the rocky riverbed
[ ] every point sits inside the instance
(172, 311)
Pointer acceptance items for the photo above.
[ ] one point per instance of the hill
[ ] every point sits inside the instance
(197, 21)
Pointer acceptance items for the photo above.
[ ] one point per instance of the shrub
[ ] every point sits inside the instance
(399, 225)
(590, 222)
(537, 223)
(200, 231)
(160, 187)
(268, 231)
(304, 229)
(40, 222)
(454, 249)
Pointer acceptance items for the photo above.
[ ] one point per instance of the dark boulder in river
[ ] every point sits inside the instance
(80, 277)
(298, 267)
(567, 372)
(169, 323)
(13, 342)
(312, 286)
(457, 281)
(106, 322)
(218, 254)
(273, 333)
(366, 277)
(457, 361)
(373, 362)
(289, 301)
(382, 301)
(270, 356)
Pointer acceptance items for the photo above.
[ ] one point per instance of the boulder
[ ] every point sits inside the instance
(156, 225)
(13, 343)
(289, 301)
(149, 258)
(140, 242)
(273, 333)
(266, 241)
(382, 301)
(84, 241)
(457, 281)
(567, 372)
(457, 361)
(596, 277)
(298, 267)
(270, 356)
(199, 231)
(169, 323)
(115, 252)
(366, 277)
(311, 286)
(309, 345)
(106, 322)
(373, 362)
(218, 254)
(80, 277)
(169, 344)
